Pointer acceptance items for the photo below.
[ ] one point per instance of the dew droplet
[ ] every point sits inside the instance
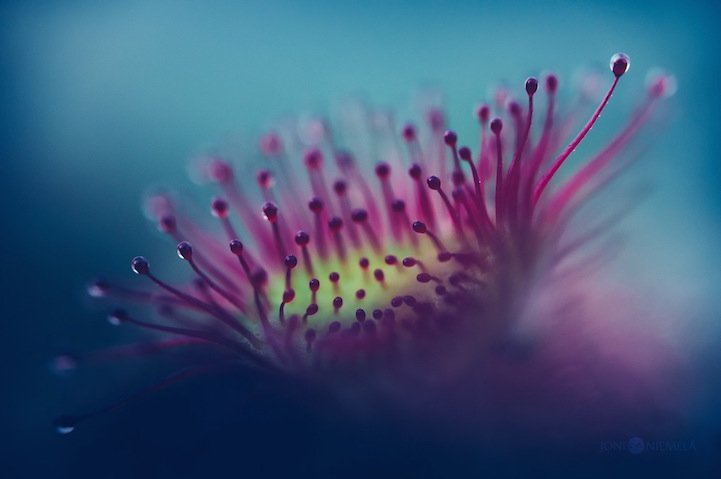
(65, 424)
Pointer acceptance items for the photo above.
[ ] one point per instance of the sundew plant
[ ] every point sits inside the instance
(453, 280)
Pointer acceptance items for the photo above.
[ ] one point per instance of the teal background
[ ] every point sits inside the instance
(101, 100)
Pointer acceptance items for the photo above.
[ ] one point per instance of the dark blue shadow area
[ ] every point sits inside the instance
(227, 424)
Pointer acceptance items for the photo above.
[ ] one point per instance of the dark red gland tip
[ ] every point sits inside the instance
(271, 144)
(415, 171)
(334, 277)
(423, 277)
(270, 211)
(364, 263)
(661, 85)
(434, 182)
(450, 138)
(288, 295)
(314, 284)
(340, 187)
(337, 302)
(409, 133)
(398, 206)
(531, 85)
(483, 113)
(140, 265)
(391, 260)
(383, 170)
(409, 262)
(360, 294)
(302, 238)
(409, 300)
(436, 119)
(236, 247)
(221, 171)
(313, 158)
(219, 208)
(259, 277)
(265, 179)
(620, 63)
(167, 224)
(419, 227)
(185, 251)
(343, 159)
(359, 215)
(315, 205)
(496, 125)
(379, 275)
(290, 261)
(335, 223)
(98, 288)
(551, 83)
(465, 153)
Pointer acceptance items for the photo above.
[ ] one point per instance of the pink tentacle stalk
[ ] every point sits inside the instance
(593, 168)
(619, 66)
(514, 173)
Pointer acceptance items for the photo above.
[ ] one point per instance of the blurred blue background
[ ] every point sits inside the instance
(102, 99)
